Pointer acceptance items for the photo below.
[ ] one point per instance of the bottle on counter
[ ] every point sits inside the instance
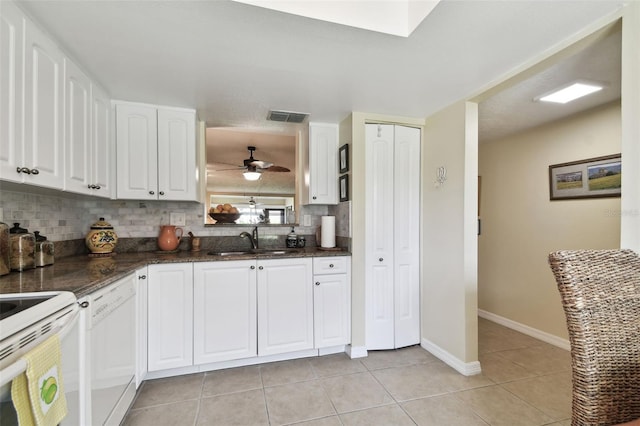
(5, 255)
(43, 250)
(292, 239)
(22, 248)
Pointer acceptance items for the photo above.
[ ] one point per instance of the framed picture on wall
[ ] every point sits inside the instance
(343, 157)
(591, 178)
(343, 184)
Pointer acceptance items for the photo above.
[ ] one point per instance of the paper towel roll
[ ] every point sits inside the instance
(328, 233)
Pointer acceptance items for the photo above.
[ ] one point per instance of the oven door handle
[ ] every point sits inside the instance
(20, 366)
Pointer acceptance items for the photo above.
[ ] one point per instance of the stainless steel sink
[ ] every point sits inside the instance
(229, 253)
(267, 252)
(273, 251)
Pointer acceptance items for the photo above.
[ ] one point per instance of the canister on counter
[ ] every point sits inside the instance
(5, 256)
(22, 248)
(43, 250)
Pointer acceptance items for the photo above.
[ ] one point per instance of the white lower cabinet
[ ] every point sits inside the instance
(170, 316)
(332, 301)
(285, 305)
(141, 326)
(249, 308)
(224, 311)
(210, 312)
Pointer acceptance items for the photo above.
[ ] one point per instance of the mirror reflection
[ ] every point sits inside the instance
(250, 177)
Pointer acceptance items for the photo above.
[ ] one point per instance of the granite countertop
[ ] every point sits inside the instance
(83, 275)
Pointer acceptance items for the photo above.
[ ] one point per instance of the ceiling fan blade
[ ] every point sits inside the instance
(226, 170)
(260, 164)
(277, 169)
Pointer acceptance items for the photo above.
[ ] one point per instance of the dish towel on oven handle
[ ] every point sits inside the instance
(38, 393)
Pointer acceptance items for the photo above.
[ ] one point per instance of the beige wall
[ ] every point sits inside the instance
(449, 237)
(520, 225)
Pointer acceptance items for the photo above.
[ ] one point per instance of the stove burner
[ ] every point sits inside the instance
(10, 307)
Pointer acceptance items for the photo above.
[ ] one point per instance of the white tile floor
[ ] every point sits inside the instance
(524, 382)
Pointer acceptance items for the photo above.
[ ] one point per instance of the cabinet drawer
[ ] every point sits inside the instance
(330, 265)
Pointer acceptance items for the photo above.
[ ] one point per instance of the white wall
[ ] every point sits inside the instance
(449, 250)
(520, 225)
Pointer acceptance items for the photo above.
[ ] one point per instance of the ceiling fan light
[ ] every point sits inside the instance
(251, 175)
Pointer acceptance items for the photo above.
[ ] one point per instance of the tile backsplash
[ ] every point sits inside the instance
(61, 217)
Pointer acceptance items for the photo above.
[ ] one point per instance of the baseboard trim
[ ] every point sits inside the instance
(464, 368)
(357, 351)
(525, 329)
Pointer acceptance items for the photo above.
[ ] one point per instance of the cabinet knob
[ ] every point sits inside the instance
(142, 277)
(151, 193)
(161, 193)
(260, 267)
(331, 265)
(23, 170)
(84, 304)
(317, 283)
(380, 260)
(96, 186)
(253, 267)
(314, 197)
(35, 171)
(90, 186)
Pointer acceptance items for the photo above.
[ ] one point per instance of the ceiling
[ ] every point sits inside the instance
(234, 62)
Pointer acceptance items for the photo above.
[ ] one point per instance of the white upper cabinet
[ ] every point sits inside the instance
(102, 144)
(177, 165)
(323, 164)
(88, 144)
(77, 134)
(32, 147)
(54, 121)
(156, 153)
(11, 75)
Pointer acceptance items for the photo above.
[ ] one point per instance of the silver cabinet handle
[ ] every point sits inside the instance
(253, 267)
(380, 260)
(84, 304)
(161, 192)
(24, 170)
(35, 171)
(151, 193)
(317, 282)
(142, 277)
(314, 197)
(260, 267)
(331, 265)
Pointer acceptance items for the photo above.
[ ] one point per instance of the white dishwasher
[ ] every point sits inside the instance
(109, 316)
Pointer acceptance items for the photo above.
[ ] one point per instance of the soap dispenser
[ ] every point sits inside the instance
(292, 239)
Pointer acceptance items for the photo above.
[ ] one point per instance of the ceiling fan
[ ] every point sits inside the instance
(254, 167)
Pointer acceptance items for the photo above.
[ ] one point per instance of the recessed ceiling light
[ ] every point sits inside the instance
(570, 93)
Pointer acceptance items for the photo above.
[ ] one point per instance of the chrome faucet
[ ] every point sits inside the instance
(253, 237)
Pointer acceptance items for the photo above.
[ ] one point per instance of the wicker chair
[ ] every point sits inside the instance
(600, 291)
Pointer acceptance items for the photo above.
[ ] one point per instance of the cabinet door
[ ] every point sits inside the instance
(285, 305)
(11, 78)
(323, 163)
(77, 133)
(141, 325)
(102, 144)
(406, 239)
(224, 311)
(332, 310)
(137, 152)
(170, 316)
(43, 149)
(379, 291)
(177, 163)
